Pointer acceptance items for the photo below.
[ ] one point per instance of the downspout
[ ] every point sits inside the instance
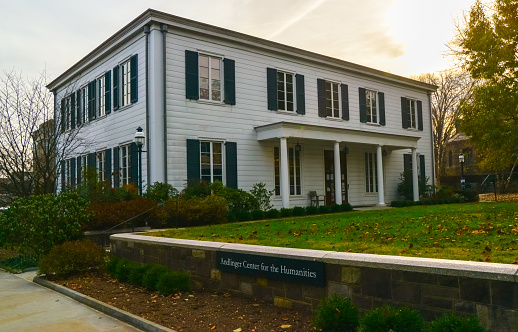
(54, 93)
(148, 171)
(433, 140)
(164, 32)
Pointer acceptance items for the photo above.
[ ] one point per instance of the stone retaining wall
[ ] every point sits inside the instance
(433, 286)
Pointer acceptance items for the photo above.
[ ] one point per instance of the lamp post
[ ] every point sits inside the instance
(140, 139)
(461, 161)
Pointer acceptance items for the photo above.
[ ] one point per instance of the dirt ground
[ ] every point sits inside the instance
(193, 311)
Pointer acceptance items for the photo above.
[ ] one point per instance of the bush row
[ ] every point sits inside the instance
(341, 314)
(152, 276)
(427, 201)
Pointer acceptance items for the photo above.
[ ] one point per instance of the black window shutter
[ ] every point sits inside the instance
(229, 70)
(231, 164)
(192, 90)
(91, 91)
(108, 164)
(422, 170)
(419, 115)
(79, 108)
(73, 110)
(405, 115)
(271, 88)
(301, 97)
(193, 161)
(345, 101)
(116, 170)
(116, 96)
(363, 105)
(73, 172)
(407, 159)
(79, 170)
(134, 164)
(63, 184)
(108, 92)
(381, 104)
(94, 99)
(91, 160)
(134, 78)
(62, 111)
(321, 90)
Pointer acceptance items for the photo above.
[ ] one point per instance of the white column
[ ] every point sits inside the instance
(338, 174)
(156, 105)
(379, 175)
(285, 183)
(414, 175)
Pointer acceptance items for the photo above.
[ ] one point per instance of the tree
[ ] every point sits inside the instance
(452, 87)
(487, 47)
(30, 146)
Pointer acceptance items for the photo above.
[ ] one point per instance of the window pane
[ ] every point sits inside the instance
(214, 74)
(216, 95)
(203, 61)
(204, 72)
(215, 63)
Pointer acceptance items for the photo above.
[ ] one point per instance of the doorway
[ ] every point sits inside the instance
(329, 166)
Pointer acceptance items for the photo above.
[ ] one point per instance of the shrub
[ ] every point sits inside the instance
(123, 269)
(160, 192)
(238, 200)
(137, 212)
(152, 275)
(272, 214)
(258, 214)
(387, 318)
(286, 212)
(262, 195)
(336, 208)
(195, 211)
(172, 282)
(405, 187)
(299, 211)
(136, 274)
(72, 257)
(323, 209)
(346, 207)
(36, 223)
(311, 210)
(243, 216)
(454, 323)
(336, 314)
(111, 265)
(470, 195)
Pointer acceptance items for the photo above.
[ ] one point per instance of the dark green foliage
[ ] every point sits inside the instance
(152, 275)
(272, 214)
(455, 323)
(311, 210)
(136, 274)
(72, 257)
(470, 195)
(111, 265)
(387, 318)
(405, 187)
(299, 211)
(160, 192)
(258, 214)
(346, 207)
(428, 201)
(262, 195)
(123, 269)
(338, 314)
(286, 212)
(336, 208)
(195, 211)
(35, 224)
(243, 216)
(323, 209)
(172, 282)
(94, 190)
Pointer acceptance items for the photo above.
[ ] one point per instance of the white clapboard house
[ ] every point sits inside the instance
(218, 105)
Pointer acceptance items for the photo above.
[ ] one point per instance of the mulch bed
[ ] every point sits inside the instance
(192, 311)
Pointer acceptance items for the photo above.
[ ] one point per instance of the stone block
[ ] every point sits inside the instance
(339, 289)
(313, 292)
(448, 281)
(264, 294)
(294, 291)
(376, 283)
(363, 302)
(351, 275)
(439, 291)
(464, 307)
(434, 302)
(229, 280)
(475, 290)
(407, 292)
(262, 281)
(504, 294)
(333, 272)
(282, 303)
(423, 278)
(246, 288)
(198, 253)
(215, 274)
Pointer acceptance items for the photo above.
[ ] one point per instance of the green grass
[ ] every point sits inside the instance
(471, 231)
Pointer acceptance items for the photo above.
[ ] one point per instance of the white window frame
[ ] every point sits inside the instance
(68, 173)
(285, 91)
(67, 112)
(101, 92)
(412, 113)
(334, 111)
(371, 172)
(295, 178)
(211, 162)
(84, 103)
(100, 164)
(125, 164)
(210, 77)
(372, 113)
(125, 83)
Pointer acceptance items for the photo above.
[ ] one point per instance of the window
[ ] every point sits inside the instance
(125, 69)
(101, 92)
(371, 176)
(84, 103)
(101, 165)
(412, 113)
(211, 161)
(68, 172)
(372, 106)
(332, 103)
(285, 92)
(210, 77)
(125, 164)
(66, 113)
(333, 99)
(294, 171)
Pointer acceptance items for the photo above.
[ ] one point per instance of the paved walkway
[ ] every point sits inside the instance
(26, 306)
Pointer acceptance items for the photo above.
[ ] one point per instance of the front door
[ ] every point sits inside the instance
(329, 166)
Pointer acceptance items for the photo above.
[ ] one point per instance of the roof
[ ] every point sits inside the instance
(180, 23)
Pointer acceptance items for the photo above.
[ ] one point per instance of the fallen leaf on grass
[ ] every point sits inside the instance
(237, 330)
(285, 326)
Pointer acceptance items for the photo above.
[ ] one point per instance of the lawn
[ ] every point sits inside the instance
(472, 231)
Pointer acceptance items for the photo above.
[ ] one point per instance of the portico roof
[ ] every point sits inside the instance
(316, 132)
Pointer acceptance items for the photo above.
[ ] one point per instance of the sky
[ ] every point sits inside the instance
(403, 37)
